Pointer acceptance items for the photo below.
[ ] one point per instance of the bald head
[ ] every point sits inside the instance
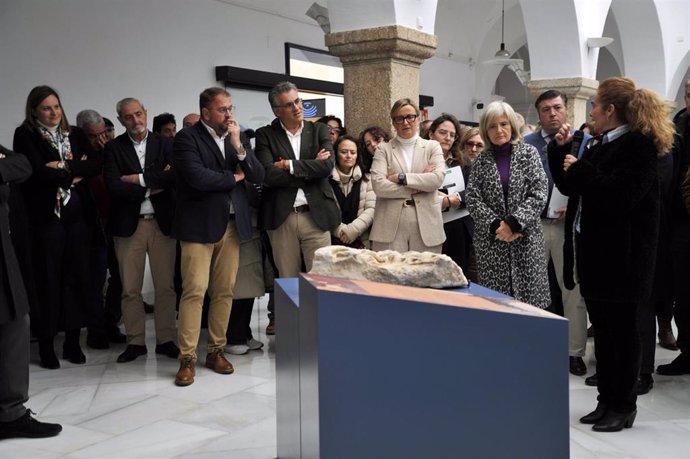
(190, 120)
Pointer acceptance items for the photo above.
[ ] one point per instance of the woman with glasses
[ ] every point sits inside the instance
(506, 193)
(458, 245)
(354, 193)
(335, 126)
(369, 140)
(61, 214)
(407, 173)
(471, 144)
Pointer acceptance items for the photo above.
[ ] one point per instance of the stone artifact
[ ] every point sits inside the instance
(415, 269)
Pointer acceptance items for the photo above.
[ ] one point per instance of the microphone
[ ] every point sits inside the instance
(578, 137)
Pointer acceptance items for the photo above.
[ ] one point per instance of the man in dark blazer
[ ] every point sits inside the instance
(139, 177)
(212, 162)
(298, 208)
(15, 419)
(552, 109)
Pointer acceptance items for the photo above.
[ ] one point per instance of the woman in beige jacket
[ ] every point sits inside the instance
(406, 174)
(354, 193)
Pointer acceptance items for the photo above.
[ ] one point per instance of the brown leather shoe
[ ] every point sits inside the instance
(271, 328)
(185, 375)
(666, 338)
(216, 361)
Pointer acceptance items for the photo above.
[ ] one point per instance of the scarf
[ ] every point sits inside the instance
(59, 140)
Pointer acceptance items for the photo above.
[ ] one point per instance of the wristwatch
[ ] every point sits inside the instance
(402, 180)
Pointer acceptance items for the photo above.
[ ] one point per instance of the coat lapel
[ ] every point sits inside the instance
(399, 155)
(151, 147)
(305, 149)
(419, 159)
(210, 143)
(285, 150)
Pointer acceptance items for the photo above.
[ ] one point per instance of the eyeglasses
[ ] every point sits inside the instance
(290, 105)
(401, 119)
(443, 133)
(477, 145)
(335, 129)
(226, 110)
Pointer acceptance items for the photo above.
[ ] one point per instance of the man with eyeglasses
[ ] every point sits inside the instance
(102, 322)
(140, 182)
(298, 208)
(213, 162)
(552, 108)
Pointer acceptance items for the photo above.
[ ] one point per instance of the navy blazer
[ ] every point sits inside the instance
(206, 186)
(126, 198)
(310, 174)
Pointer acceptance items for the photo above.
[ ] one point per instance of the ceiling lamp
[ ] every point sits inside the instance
(502, 56)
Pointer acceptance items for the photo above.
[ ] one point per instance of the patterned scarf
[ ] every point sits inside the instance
(60, 142)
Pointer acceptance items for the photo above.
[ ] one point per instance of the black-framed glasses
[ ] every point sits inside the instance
(337, 130)
(290, 105)
(400, 119)
(477, 145)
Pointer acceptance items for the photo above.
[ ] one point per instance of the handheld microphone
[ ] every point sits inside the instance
(578, 137)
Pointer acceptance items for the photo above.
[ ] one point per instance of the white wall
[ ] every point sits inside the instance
(164, 52)
(95, 52)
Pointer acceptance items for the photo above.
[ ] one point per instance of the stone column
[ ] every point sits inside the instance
(381, 65)
(578, 89)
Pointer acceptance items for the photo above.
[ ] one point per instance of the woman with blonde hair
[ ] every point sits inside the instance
(506, 193)
(613, 217)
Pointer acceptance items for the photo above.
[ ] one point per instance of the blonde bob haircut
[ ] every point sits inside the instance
(400, 103)
(489, 115)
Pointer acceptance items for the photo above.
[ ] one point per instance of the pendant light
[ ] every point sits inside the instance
(502, 56)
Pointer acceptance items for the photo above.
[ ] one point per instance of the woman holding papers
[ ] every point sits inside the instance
(506, 193)
(613, 216)
(458, 225)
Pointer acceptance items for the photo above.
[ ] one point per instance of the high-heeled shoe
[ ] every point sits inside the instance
(46, 352)
(615, 422)
(596, 415)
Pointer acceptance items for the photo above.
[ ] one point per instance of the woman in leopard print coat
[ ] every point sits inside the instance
(506, 194)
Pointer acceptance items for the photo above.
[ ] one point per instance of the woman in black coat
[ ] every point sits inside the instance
(613, 215)
(61, 213)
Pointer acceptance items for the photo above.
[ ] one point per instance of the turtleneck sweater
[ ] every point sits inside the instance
(502, 158)
(407, 146)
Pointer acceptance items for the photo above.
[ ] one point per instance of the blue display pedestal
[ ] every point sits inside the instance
(369, 370)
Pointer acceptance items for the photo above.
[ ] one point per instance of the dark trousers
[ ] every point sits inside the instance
(458, 246)
(680, 250)
(239, 331)
(61, 261)
(14, 368)
(617, 350)
(113, 293)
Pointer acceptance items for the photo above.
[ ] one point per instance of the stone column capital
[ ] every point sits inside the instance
(388, 42)
(579, 87)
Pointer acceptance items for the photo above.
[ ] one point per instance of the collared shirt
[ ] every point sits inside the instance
(140, 150)
(296, 144)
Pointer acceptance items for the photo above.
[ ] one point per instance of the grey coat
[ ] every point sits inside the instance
(516, 268)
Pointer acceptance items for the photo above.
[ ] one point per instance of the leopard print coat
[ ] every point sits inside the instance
(515, 268)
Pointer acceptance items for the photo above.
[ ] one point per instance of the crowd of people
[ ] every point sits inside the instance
(548, 216)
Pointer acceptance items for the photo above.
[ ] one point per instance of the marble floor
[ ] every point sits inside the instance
(111, 410)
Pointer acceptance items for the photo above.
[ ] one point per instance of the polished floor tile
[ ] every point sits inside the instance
(134, 410)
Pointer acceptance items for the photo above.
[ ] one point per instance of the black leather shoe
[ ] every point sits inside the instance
(28, 427)
(73, 353)
(577, 366)
(132, 352)
(115, 335)
(679, 366)
(168, 349)
(97, 341)
(592, 380)
(596, 415)
(644, 384)
(615, 422)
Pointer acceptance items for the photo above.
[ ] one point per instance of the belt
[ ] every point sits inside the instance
(147, 216)
(408, 203)
(301, 209)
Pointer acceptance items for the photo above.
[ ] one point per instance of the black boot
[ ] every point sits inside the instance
(71, 350)
(47, 353)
